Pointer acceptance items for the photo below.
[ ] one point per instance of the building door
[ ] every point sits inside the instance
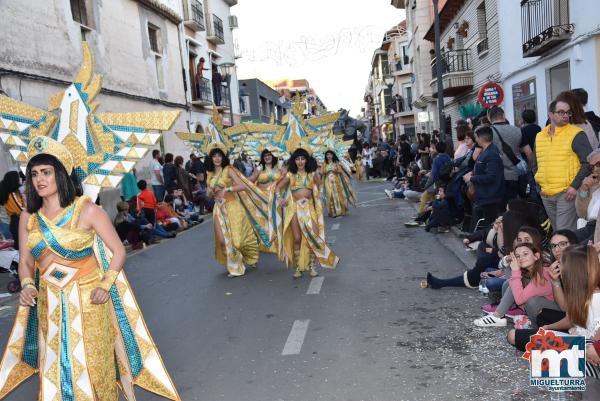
(558, 80)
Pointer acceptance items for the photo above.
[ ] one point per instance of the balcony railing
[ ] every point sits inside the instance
(452, 61)
(457, 75)
(216, 33)
(545, 24)
(399, 67)
(193, 15)
(202, 93)
(400, 105)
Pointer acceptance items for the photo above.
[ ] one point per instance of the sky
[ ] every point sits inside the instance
(328, 42)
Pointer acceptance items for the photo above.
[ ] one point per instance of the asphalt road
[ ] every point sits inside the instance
(364, 332)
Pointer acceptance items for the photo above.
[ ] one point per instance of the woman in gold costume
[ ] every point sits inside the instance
(265, 177)
(337, 186)
(78, 325)
(299, 220)
(239, 214)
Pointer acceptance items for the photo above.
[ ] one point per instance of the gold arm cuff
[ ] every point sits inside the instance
(27, 281)
(108, 279)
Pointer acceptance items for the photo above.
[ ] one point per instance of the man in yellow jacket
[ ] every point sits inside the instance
(560, 165)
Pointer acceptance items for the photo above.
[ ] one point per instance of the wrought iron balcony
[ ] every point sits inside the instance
(202, 93)
(215, 32)
(193, 15)
(400, 67)
(457, 75)
(545, 24)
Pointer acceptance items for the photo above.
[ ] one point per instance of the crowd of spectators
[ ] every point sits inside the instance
(526, 201)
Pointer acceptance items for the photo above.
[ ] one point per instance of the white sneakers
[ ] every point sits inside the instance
(490, 321)
(388, 193)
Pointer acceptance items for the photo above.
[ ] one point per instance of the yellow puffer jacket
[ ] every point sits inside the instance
(557, 164)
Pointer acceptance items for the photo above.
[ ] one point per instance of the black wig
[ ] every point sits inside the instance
(68, 187)
(335, 158)
(311, 163)
(262, 158)
(208, 163)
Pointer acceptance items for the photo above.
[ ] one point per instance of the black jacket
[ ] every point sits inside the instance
(488, 177)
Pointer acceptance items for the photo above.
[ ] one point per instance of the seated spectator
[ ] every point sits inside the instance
(498, 243)
(549, 319)
(167, 216)
(128, 230)
(587, 202)
(146, 202)
(185, 209)
(408, 187)
(530, 286)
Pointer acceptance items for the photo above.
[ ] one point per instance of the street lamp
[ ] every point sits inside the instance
(389, 82)
(229, 70)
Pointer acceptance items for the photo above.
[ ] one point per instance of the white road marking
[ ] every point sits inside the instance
(372, 200)
(331, 239)
(5, 294)
(335, 226)
(294, 342)
(315, 285)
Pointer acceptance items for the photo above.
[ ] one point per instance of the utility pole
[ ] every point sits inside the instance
(438, 71)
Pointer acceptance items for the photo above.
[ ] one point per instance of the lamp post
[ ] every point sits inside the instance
(438, 70)
(229, 69)
(389, 82)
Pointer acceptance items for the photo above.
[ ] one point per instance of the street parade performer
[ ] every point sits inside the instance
(78, 325)
(337, 185)
(300, 226)
(265, 176)
(239, 215)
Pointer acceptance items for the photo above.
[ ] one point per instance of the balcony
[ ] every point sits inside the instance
(400, 67)
(193, 16)
(401, 107)
(545, 24)
(215, 32)
(457, 75)
(202, 93)
(231, 3)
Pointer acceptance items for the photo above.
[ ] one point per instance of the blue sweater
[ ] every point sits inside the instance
(488, 177)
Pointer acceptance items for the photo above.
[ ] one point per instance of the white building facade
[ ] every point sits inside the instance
(139, 48)
(548, 46)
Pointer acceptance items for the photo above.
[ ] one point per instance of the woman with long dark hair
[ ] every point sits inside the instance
(13, 202)
(70, 266)
(337, 186)
(268, 172)
(299, 220)
(239, 225)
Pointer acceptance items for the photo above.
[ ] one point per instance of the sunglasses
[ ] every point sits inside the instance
(560, 245)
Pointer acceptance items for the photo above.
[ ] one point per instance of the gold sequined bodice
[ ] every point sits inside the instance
(220, 180)
(301, 181)
(63, 228)
(268, 175)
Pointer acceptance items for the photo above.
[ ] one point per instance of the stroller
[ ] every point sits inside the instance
(9, 263)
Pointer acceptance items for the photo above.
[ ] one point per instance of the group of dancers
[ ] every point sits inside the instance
(78, 325)
(278, 209)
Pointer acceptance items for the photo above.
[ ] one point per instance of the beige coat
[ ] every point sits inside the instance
(582, 204)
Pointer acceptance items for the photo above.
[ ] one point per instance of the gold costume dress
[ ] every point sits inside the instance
(269, 177)
(243, 220)
(337, 189)
(81, 351)
(309, 212)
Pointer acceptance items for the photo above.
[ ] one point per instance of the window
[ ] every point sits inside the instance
(558, 79)
(78, 10)
(264, 108)
(154, 38)
(482, 21)
(524, 97)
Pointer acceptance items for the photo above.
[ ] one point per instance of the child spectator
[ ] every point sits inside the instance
(146, 202)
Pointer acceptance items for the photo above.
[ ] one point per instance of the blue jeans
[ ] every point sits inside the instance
(159, 192)
(494, 283)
